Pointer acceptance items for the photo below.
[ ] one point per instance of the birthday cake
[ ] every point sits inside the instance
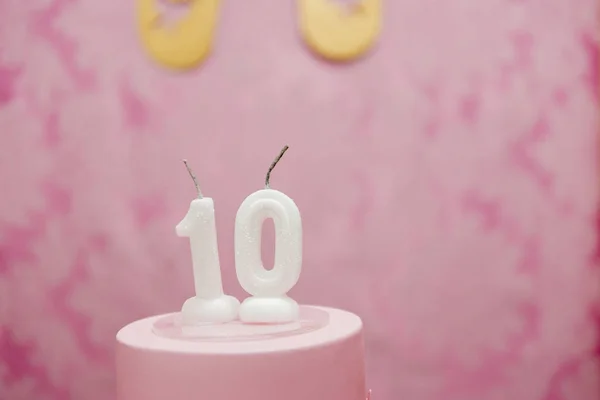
(266, 348)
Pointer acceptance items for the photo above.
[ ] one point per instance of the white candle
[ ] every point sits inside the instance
(210, 303)
(269, 302)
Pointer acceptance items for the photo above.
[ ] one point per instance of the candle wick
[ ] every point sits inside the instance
(194, 179)
(273, 164)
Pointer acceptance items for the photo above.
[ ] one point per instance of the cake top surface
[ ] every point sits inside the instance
(317, 326)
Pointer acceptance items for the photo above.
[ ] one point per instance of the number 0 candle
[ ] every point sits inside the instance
(210, 303)
(269, 302)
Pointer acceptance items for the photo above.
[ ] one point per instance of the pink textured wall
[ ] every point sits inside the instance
(448, 186)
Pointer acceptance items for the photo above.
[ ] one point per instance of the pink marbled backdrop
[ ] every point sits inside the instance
(448, 186)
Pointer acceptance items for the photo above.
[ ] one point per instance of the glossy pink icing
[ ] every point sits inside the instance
(326, 363)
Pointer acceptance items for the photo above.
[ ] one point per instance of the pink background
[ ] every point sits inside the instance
(448, 186)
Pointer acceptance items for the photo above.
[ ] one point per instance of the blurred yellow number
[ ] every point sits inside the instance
(182, 44)
(338, 32)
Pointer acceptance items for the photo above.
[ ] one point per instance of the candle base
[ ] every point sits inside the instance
(197, 310)
(171, 326)
(269, 310)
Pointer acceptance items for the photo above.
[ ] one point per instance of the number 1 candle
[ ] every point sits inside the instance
(269, 302)
(210, 303)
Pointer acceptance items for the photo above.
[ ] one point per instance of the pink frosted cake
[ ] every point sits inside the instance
(266, 348)
(321, 358)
